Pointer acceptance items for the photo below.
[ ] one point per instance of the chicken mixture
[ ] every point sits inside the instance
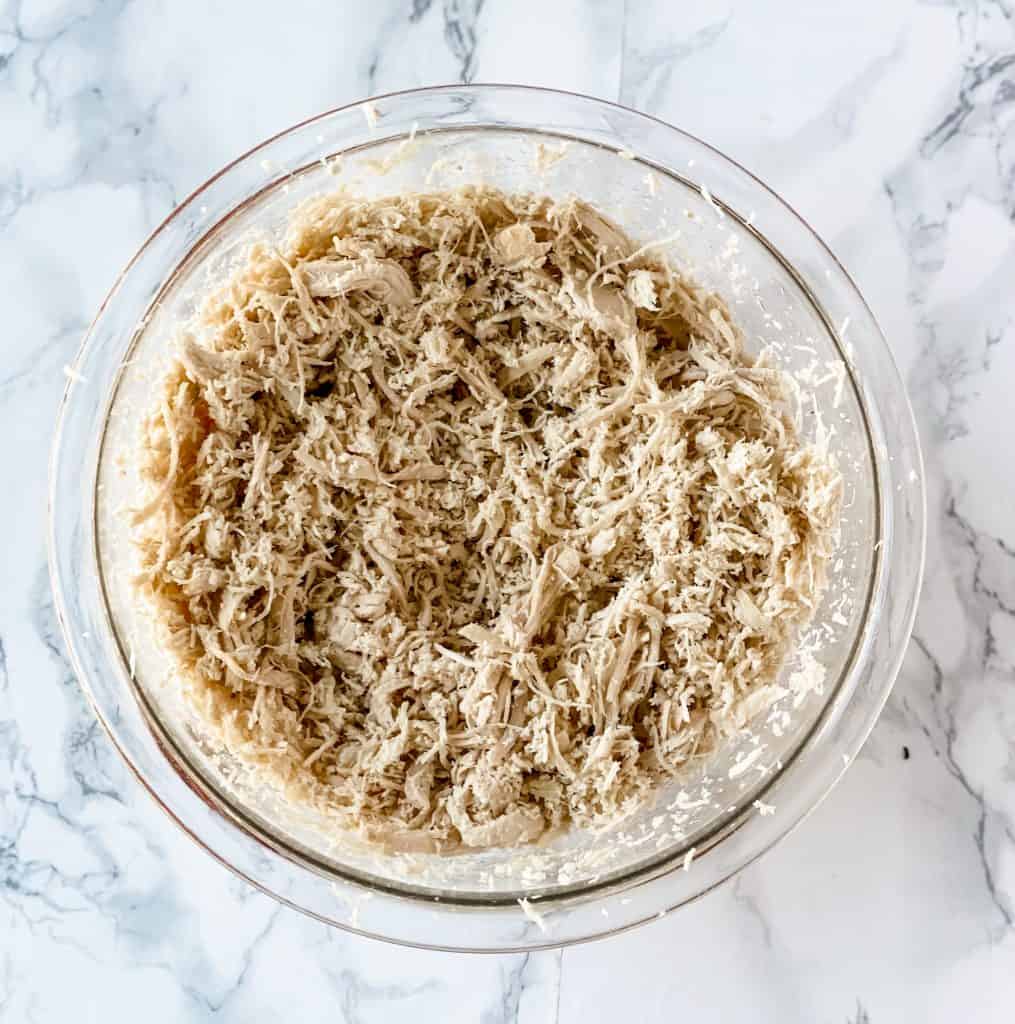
(468, 520)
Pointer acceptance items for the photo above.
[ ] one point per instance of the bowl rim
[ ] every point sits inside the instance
(655, 868)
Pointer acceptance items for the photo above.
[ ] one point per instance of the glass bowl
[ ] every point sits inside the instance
(789, 294)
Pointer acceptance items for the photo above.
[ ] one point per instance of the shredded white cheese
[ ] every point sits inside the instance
(370, 114)
(745, 762)
(547, 157)
(538, 919)
(707, 196)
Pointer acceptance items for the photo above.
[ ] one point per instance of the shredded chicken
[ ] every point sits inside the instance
(468, 520)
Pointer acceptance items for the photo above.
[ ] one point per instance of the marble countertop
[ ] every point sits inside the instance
(891, 127)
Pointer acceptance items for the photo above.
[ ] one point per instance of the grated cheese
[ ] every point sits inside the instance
(370, 114)
(538, 919)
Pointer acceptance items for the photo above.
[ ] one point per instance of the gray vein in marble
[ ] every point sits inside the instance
(117, 150)
(950, 367)
(357, 992)
(946, 752)
(746, 899)
(460, 23)
(988, 552)
(45, 624)
(975, 78)
(39, 889)
(7, 981)
(557, 985)
(523, 980)
(958, 347)
(861, 1016)
(511, 994)
(645, 73)
(88, 757)
(217, 1005)
(461, 19)
(61, 343)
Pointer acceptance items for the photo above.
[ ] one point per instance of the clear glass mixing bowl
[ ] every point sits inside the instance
(787, 291)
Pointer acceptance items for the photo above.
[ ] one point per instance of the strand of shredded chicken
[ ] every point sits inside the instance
(468, 520)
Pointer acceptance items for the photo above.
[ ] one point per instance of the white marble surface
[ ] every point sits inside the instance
(891, 127)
